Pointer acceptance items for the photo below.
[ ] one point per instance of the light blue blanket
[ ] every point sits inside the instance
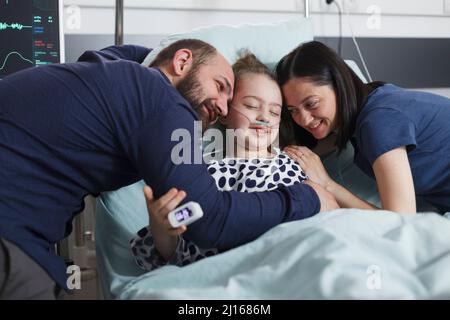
(339, 255)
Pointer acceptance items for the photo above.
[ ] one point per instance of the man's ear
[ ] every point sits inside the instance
(182, 62)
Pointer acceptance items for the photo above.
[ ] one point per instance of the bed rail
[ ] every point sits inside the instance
(118, 36)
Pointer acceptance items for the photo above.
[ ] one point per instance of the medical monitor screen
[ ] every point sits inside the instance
(183, 214)
(30, 34)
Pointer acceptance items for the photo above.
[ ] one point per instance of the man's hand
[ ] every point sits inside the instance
(164, 235)
(327, 200)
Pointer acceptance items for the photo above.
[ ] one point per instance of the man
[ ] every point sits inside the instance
(103, 123)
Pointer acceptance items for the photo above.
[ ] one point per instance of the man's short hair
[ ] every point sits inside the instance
(201, 52)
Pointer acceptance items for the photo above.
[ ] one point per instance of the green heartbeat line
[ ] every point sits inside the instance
(11, 53)
(17, 26)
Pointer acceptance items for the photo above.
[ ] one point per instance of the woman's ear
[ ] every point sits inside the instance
(182, 62)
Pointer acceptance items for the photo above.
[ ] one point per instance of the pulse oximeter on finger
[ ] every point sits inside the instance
(185, 214)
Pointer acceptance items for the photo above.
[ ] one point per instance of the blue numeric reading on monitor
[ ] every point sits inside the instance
(183, 214)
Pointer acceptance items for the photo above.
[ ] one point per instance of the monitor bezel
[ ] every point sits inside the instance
(62, 56)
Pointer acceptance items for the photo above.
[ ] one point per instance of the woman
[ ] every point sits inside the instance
(401, 138)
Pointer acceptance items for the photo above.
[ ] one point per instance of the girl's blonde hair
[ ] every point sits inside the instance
(249, 63)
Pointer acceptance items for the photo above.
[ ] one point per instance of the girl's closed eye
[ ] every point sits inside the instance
(250, 106)
(275, 113)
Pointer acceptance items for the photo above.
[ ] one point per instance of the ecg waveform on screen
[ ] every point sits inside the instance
(2, 66)
(17, 26)
(29, 34)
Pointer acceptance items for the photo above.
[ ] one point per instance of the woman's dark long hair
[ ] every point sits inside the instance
(323, 66)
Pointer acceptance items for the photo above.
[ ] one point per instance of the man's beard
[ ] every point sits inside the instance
(191, 89)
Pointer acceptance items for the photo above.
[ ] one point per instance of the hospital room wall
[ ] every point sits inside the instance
(405, 42)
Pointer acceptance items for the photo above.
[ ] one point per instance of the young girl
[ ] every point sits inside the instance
(254, 165)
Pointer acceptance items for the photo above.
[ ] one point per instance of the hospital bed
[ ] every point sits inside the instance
(343, 254)
(346, 253)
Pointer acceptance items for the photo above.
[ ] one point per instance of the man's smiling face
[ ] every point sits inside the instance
(208, 88)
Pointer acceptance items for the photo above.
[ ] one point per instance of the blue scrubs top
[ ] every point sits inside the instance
(393, 117)
(102, 123)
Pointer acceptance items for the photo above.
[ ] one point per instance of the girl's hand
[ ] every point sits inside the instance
(165, 236)
(311, 164)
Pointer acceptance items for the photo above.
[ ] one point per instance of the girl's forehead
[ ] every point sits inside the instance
(257, 85)
(247, 78)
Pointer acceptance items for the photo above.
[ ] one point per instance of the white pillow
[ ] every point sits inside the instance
(268, 41)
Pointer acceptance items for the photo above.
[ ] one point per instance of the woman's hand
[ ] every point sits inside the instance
(313, 167)
(311, 164)
(164, 235)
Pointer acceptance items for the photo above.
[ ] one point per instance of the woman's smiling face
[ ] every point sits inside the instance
(312, 106)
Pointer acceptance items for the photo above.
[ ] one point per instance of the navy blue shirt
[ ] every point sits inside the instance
(394, 117)
(100, 124)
